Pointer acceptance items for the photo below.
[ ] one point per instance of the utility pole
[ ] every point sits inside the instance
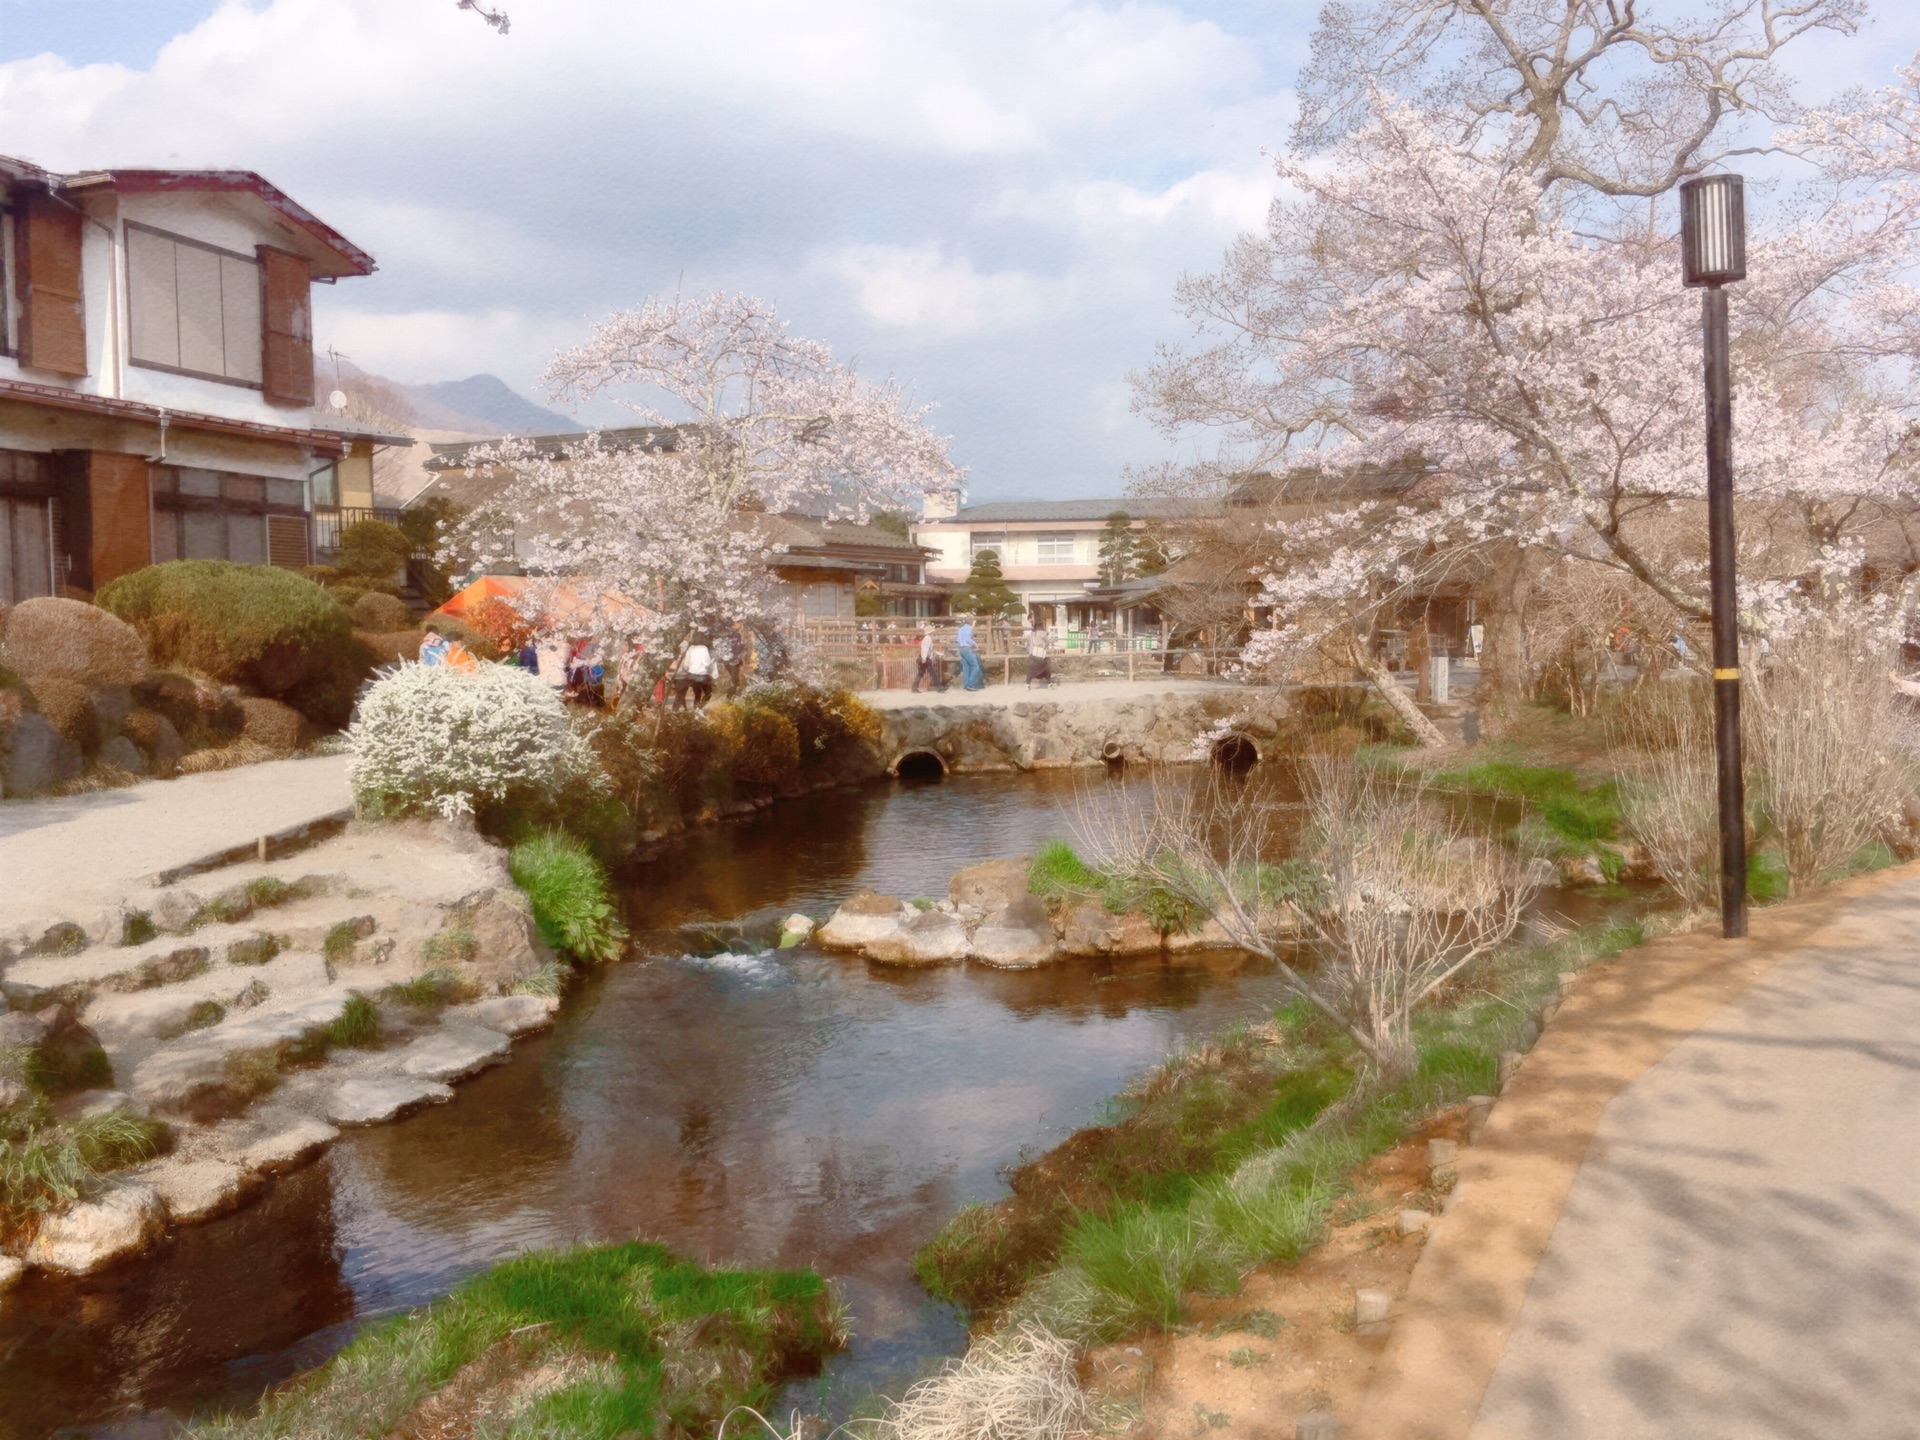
(1713, 234)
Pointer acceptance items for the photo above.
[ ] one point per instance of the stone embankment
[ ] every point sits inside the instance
(1005, 727)
(991, 915)
(261, 1008)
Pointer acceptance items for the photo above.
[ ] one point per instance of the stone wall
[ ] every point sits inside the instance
(1062, 731)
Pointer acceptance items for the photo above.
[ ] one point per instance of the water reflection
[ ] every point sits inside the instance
(788, 1109)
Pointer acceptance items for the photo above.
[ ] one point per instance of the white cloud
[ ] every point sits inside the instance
(921, 289)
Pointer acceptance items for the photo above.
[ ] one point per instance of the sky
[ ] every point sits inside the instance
(988, 200)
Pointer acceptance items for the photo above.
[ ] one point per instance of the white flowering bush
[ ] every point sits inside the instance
(429, 739)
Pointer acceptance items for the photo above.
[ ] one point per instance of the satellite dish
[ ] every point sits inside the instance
(338, 399)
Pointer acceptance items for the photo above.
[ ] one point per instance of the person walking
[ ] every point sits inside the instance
(929, 667)
(696, 666)
(973, 675)
(1039, 670)
(729, 655)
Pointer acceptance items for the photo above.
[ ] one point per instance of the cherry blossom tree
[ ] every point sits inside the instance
(652, 538)
(1441, 293)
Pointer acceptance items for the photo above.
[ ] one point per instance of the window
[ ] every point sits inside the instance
(194, 309)
(994, 541)
(215, 515)
(6, 285)
(29, 527)
(1056, 549)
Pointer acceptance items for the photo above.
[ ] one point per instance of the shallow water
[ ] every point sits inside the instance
(767, 1109)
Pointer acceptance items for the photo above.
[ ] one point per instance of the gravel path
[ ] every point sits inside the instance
(72, 857)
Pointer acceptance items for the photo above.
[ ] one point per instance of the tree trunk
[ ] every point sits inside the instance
(1505, 675)
(1424, 730)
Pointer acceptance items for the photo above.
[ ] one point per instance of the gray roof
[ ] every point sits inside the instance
(1013, 512)
(453, 454)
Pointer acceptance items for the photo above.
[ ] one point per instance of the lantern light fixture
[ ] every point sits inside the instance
(1713, 229)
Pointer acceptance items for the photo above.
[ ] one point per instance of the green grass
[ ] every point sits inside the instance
(1056, 870)
(341, 938)
(571, 901)
(643, 1344)
(137, 927)
(1579, 815)
(429, 989)
(47, 1163)
(358, 1024)
(454, 943)
(268, 890)
(1766, 876)
(1229, 1158)
(548, 980)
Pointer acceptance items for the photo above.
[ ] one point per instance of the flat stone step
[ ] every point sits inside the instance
(373, 1099)
(454, 1052)
(510, 1014)
(290, 1147)
(177, 1073)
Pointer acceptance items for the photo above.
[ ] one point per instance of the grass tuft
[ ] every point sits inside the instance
(137, 927)
(571, 901)
(358, 1024)
(268, 890)
(46, 1164)
(632, 1341)
(341, 938)
(1057, 870)
(430, 989)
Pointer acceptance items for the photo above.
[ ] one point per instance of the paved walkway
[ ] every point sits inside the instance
(1740, 1253)
(71, 858)
(1083, 692)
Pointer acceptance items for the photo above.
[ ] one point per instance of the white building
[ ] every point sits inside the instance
(156, 373)
(1049, 550)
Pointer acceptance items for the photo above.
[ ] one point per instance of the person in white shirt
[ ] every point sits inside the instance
(929, 667)
(696, 674)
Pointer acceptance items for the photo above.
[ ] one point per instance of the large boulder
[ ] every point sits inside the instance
(121, 1223)
(865, 918)
(67, 705)
(51, 638)
(506, 945)
(990, 885)
(120, 753)
(157, 738)
(36, 756)
(1017, 936)
(1092, 929)
(56, 1053)
(931, 937)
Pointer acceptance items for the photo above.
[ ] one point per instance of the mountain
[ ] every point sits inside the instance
(482, 404)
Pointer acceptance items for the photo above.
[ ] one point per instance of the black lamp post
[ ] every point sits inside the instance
(1713, 237)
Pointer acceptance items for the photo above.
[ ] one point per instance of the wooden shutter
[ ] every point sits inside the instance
(53, 326)
(287, 328)
(287, 541)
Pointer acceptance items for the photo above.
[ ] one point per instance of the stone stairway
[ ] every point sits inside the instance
(229, 1008)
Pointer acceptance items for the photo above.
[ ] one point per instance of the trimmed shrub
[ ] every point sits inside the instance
(382, 614)
(765, 744)
(71, 640)
(269, 723)
(429, 739)
(467, 635)
(505, 628)
(251, 625)
(391, 648)
(372, 548)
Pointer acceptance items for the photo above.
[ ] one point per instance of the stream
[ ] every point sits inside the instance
(766, 1109)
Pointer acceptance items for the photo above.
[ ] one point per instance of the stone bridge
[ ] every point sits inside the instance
(1005, 727)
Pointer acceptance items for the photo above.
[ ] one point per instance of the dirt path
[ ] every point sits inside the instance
(72, 858)
(1738, 1251)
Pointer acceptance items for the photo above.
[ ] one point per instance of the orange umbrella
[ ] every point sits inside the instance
(487, 587)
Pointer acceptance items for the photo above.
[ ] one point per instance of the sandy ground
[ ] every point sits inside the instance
(1250, 1365)
(72, 857)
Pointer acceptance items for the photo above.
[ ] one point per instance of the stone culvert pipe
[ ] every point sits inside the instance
(918, 765)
